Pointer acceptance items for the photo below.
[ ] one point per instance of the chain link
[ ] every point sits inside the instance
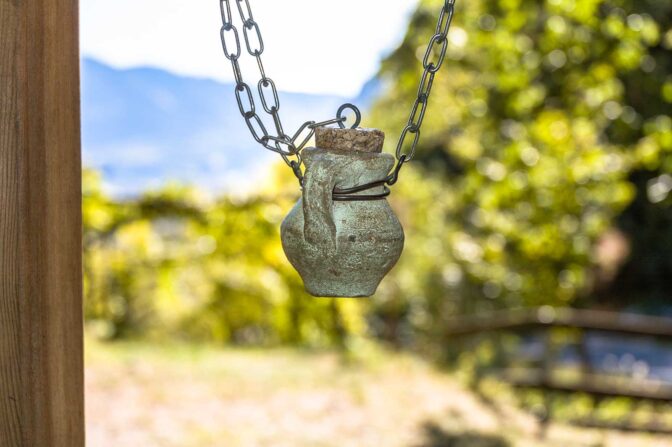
(287, 146)
(252, 25)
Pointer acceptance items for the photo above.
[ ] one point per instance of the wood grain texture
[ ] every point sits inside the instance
(41, 362)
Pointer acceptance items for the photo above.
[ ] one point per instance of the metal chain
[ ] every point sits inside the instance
(287, 146)
(419, 108)
(279, 142)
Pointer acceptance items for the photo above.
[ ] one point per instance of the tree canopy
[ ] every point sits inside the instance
(550, 119)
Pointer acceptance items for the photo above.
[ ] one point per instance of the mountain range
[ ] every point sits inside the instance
(143, 127)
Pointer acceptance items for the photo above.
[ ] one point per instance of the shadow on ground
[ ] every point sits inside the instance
(435, 436)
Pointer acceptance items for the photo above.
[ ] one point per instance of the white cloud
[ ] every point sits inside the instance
(316, 46)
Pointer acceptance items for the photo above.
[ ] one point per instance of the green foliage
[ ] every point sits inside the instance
(543, 114)
(175, 263)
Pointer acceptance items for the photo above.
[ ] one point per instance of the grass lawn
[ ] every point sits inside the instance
(145, 395)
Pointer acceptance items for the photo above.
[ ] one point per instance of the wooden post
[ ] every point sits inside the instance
(41, 366)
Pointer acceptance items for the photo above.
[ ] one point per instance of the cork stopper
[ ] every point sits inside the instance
(360, 139)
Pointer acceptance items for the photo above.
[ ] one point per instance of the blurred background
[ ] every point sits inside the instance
(533, 303)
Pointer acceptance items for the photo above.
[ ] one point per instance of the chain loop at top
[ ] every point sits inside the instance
(287, 146)
(281, 143)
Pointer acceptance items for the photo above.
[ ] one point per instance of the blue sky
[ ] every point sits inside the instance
(312, 46)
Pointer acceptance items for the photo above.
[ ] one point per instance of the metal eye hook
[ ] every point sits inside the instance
(343, 108)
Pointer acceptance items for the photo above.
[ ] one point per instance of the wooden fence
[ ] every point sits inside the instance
(590, 380)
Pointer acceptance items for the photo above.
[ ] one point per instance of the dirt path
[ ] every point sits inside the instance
(144, 396)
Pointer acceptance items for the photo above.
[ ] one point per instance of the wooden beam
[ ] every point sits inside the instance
(589, 320)
(41, 365)
(601, 385)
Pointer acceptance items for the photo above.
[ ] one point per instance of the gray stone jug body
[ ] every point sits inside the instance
(343, 248)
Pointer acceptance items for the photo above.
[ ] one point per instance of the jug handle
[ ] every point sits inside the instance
(318, 207)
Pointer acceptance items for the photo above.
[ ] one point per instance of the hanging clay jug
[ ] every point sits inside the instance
(343, 248)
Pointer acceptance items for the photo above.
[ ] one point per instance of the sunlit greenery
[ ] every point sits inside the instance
(550, 118)
(177, 263)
